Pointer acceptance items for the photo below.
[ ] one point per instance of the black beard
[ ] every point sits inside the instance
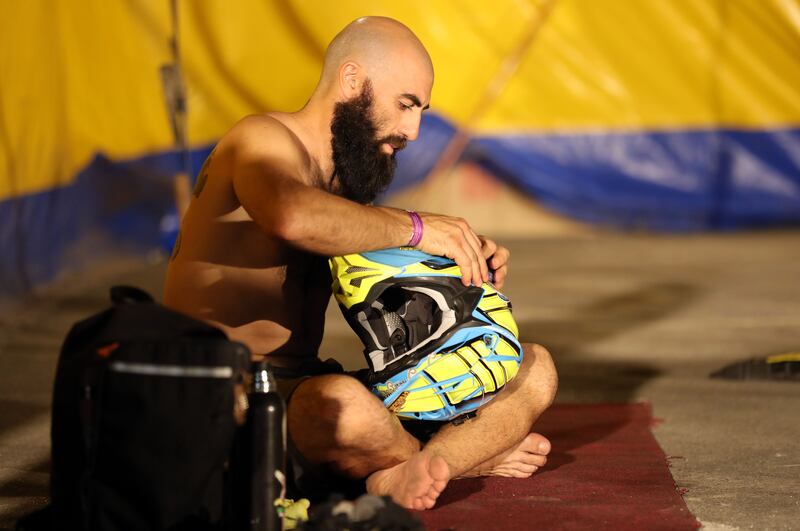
(361, 168)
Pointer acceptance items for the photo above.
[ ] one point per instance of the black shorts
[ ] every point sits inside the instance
(287, 380)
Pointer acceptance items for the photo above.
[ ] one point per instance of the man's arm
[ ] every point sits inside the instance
(266, 182)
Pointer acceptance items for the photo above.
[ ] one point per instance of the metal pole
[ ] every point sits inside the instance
(174, 90)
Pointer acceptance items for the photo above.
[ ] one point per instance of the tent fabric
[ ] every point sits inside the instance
(678, 115)
(676, 181)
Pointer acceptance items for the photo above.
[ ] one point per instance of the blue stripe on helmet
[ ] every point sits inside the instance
(397, 257)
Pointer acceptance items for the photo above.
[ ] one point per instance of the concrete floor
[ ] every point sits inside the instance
(628, 318)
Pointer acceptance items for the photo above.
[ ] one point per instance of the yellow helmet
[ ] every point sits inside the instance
(435, 348)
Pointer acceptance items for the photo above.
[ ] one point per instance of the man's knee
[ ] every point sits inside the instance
(334, 420)
(538, 372)
(338, 406)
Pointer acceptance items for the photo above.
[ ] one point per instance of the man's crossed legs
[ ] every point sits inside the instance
(335, 421)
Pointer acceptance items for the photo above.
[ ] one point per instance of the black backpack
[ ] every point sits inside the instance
(143, 421)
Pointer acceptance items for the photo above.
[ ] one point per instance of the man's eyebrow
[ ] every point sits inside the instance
(414, 99)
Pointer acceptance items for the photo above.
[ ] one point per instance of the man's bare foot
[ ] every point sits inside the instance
(414, 484)
(519, 462)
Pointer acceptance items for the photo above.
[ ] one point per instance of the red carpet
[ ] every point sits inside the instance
(606, 471)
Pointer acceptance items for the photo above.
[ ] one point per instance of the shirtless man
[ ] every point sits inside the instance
(283, 191)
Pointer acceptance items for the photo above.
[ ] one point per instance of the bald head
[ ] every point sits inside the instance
(376, 82)
(380, 46)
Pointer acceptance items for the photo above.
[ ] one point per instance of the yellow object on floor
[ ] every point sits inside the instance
(783, 358)
(293, 511)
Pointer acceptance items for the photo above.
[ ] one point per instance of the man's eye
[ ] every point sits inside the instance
(406, 106)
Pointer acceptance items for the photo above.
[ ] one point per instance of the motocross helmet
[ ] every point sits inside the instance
(435, 348)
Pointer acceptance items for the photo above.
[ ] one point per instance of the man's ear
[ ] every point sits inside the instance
(350, 78)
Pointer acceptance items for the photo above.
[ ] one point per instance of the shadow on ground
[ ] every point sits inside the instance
(587, 379)
(583, 378)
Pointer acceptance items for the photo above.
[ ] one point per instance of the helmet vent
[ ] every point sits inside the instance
(356, 282)
(357, 269)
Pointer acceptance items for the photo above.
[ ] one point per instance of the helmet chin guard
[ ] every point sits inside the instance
(435, 348)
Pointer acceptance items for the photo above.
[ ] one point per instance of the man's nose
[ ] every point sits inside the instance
(410, 127)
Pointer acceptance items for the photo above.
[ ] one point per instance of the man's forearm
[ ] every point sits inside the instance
(336, 226)
(320, 222)
(316, 220)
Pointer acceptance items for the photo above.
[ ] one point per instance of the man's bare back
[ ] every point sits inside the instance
(227, 270)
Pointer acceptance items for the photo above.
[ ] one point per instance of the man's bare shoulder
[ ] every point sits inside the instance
(267, 138)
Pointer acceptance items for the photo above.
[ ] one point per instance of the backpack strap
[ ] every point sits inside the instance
(129, 295)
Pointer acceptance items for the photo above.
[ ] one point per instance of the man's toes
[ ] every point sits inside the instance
(522, 472)
(536, 443)
(518, 470)
(533, 459)
(418, 504)
(513, 473)
(543, 446)
(428, 501)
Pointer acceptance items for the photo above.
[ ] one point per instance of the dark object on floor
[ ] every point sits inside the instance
(367, 513)
(258, 466)
(144, 414)
(785, 367)
(606, 472)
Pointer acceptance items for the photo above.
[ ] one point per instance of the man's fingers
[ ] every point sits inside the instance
(470, 247)
(488, 247)
(475, 267)
(500, 277)
(474, 276)
(482, 272)
(454, 238)
(499, 262)
(499, 257)
(464, 262)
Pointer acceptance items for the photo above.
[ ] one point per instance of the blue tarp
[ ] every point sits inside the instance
(665, 181)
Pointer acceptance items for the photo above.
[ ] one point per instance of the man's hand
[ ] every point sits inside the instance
(497, 259)
(454, 238)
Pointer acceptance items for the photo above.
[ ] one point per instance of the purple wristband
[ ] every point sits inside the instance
(416, 234)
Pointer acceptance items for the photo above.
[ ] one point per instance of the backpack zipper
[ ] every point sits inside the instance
(178, 371)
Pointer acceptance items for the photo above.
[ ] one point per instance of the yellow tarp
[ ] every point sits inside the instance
(83, 77)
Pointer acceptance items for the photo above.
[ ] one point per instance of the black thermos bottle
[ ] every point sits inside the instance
(267, 423)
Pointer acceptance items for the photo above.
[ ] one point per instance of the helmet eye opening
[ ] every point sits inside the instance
(410, 317)
(401, 322)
